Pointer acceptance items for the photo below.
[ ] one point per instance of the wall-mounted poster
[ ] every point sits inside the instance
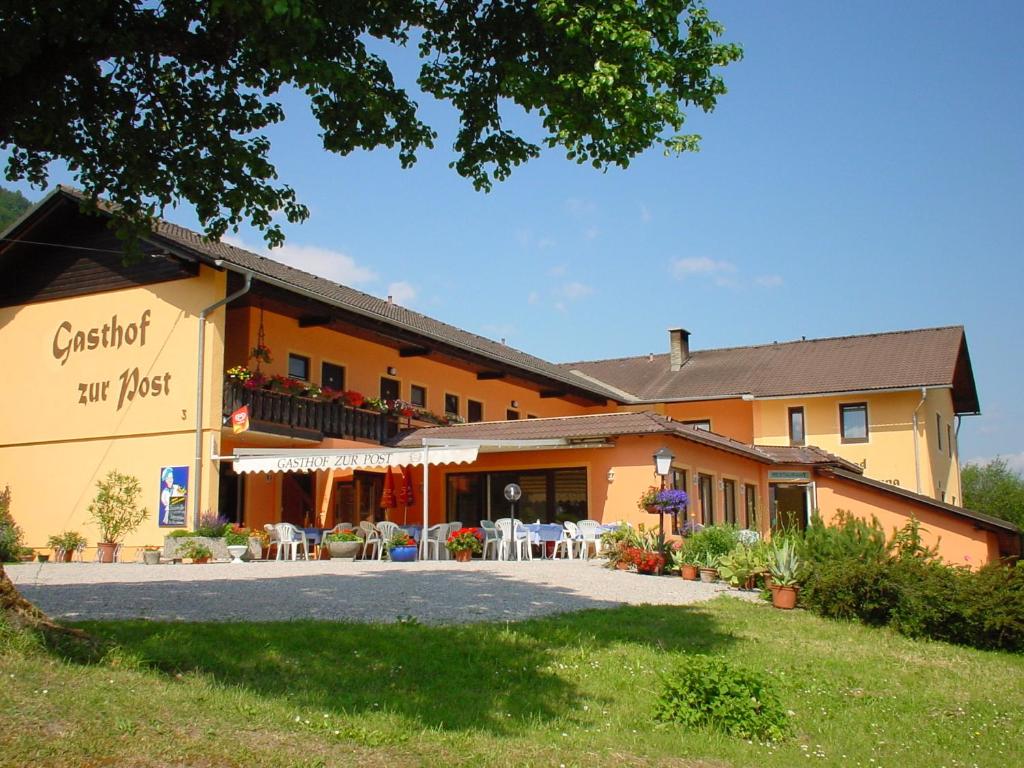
(173, 496)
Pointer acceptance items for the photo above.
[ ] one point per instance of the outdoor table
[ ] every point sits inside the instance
(544, 534)
(314, 537)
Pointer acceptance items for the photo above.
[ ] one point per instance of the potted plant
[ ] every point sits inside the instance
(196, 550)
(344, 544)
(785, 569)
(151, 555)
(236, 538)
(647, 500)
(42, 558)
(65, 545)
(709, 567)
(464, 542)
(116, 511)
(401, 548)
(615, 544)
(682, 561)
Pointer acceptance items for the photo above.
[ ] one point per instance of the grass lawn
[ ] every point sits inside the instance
(575, 690)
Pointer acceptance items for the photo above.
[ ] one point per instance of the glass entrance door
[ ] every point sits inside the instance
(790, 505)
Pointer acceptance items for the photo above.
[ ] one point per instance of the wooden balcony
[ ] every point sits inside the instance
(304, 417)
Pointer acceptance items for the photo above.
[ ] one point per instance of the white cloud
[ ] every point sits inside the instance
(700, 265)
(576, 290)
(402, 293)
(333, 265)
(1015, 461)
(769, 281)
(591, 233)
(577, 206)
(533, 298)
(558, 270)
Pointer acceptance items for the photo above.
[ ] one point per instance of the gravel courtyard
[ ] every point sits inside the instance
(432, 592)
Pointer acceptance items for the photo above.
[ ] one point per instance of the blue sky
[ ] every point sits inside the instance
(864, 173)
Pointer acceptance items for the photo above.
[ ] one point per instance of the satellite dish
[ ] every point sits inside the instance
(513, 492)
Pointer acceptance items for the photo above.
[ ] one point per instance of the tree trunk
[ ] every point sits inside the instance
(20, 613)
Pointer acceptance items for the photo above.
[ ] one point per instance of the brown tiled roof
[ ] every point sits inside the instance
(608, 425)
(806, 454)
(362, 303)
(878, 361)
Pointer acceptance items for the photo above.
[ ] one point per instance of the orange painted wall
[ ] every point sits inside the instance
(957, 540)
(365, 363)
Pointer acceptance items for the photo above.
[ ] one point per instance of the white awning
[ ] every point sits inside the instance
(315, 460)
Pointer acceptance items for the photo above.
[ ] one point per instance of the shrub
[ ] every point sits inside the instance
(10, 533)
(994, 607)
(115, 506)
(236, 535)
(194, 550)
(851, 589)
(850, 538)
(710, 543)
(708, 691)
(212, 526)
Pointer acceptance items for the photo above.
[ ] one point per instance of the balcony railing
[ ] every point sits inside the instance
(304, 416)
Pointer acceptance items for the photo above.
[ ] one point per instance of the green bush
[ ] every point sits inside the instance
(850, 538)
(10, 533)
(709, 544)
(708, 691)
(925, 598)
(851, 589)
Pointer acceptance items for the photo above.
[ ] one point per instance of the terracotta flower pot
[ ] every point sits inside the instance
(106, 551)
(464, 555)
(65, 556)
(784, 597)
(708, 575)
(690, 572)
(622, 565)
(200, 560)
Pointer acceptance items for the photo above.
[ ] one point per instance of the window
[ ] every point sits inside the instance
(531, 416)
(750, 502)
(938, 429)
(511, 415)
(704, 424)
(705, 489)
(474, 411)
(332, 377)
(418, 396)
(389, 388)
(451, 404)
(298, 367)
(797, 436)
(549, 495)
(949, 440)
(729, 499)
(677, 479)
(853, 422)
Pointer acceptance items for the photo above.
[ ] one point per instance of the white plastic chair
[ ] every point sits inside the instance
(291, 539)
(371, 538)
(491, 538)
(386, 529)
(509, 544)
(433, 541)
(568, 542)
(589, 534)
(78, 553)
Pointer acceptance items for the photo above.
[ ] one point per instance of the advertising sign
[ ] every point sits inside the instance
(173, 496)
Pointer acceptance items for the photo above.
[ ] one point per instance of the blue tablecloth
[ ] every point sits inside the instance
(544, 532)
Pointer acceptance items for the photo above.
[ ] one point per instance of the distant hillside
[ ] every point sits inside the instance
(11, 206)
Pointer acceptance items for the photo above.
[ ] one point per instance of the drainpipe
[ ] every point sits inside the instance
(917, 450)
(201, 357)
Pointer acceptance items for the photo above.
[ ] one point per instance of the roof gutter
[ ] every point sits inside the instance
(200, 373)
(917, 450)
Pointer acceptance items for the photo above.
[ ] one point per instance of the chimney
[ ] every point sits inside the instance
(679, 347)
